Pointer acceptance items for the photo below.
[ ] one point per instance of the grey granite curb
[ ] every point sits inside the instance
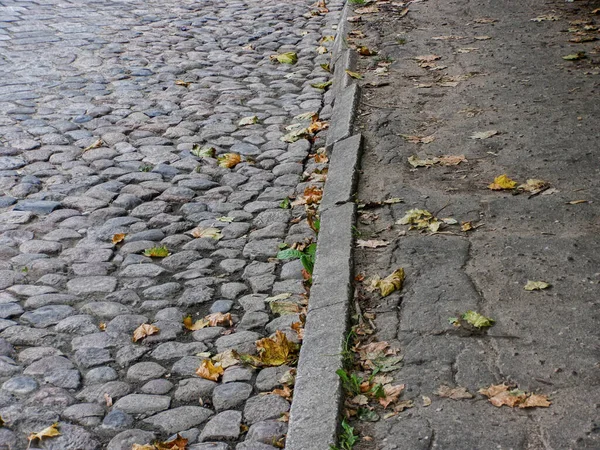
(318, 395)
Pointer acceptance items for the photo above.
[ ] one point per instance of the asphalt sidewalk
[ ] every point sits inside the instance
(503, 88)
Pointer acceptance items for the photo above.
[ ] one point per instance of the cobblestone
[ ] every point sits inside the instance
(97, 138)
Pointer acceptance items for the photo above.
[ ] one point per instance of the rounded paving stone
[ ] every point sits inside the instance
(230, 395)
(20, 385)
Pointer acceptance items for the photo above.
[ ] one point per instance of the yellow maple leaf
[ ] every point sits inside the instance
(209, 371)
(273, 351)
(144, 330)
(502, 182)
(50, 431)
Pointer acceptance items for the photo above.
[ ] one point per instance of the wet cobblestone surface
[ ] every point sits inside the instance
(95, 140)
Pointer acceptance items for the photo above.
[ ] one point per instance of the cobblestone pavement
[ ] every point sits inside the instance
(463, 67)
(74, 72)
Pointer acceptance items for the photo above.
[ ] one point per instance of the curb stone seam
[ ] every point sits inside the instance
(318, 395)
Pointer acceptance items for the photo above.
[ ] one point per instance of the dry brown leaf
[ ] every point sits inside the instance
(98, 143)
(143, 331)
(50, 431)
(536, 400)
(321, 158)
(484, 134)
(284, 392)
(312, 195)
(452, 160)
(427, 58)
(212, 320)
(576, 202)
(391, 394)
(371, 243)
(182, 83)
(404, 404)
(367, 10)
(102, 326)
(118, 238)
(389, 284)
(466, 226)
(426, 401)
(209, 371)
(273, 351)
(457, 393)
(229, 160)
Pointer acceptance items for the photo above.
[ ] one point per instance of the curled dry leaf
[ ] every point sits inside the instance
(500, 395)
(210, 232)
(324, 85)
(50, 431)
(536, 285)
(285, 392)
(502, 182)
(285, 58)
(273, 351)
(354, 75)
(452, 160)
(477, 320)
(426, 401)
(457, 393)
(533, 186)
(312, 196)
(212, 320)
(229, 160)
(391, 394)
(118, 238)
(365, 51)
(96, 144)
(576, 202)
(182, 83)
(144, 330)
(466, 226)
(209, 371)
(389, 284)
(484, 134)
(371, 243)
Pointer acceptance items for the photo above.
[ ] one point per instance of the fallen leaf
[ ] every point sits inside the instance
(484, 134)
(324, 85)
(533, 186)
(486, 20)
(50, 431)
(273, 351)
(500, 395)
(452, 160)
(354, 75)
(502, 182)
(371, 243)
(203, 152)
(326, 67)
(321, 158)
(283, 307)
(427, 58)
(466, 226)
(182, 83)
(548, 17)
(317, 126)
(229, 160)
(467, 49)
(404, 404)
(108, 400)
(477, 320)
(285, 58)
(289, 377)
(217, 319)
(209, 232)
(295, 135)
(251, 120)
(102, 326)
(143, 447)
(457, 393)
(426, 401)
(225, 219)
(144, 330)
(226, 359)
(418, 139)
(367, 10)
(416, 162)
(576, 202)
(420, 219)
(248, 47)
(365, 51)
(209, 371)
(391, 394)
(118, 238)
(284, 392)
(575, 56)
(321, 50)
(389, 284)
(96, 144)
(157, 252)
(354, 19)
(482, 38)
(536, 285)
(312, 196)
(328, 38)
(298, 327)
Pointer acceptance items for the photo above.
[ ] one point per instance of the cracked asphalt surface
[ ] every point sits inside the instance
(508, 75)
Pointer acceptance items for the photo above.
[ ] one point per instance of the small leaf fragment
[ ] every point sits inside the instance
(203, 152)
(143, 331)
(575, 56)
(354, 75)
(209, 371)
(118, 238)
(324, 85)
(576, 202)
(457, 393)
(251, 120)
(209, 232)
(365, 51)
(373, 243)
(157, 252)
(477, 320)
(536, 285)
(502, 182)
(182, 83)
(426, 401)
(225, 219)
(484, 134)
